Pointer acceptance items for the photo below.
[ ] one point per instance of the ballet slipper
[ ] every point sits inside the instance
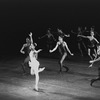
(41, 69)
(36, 88)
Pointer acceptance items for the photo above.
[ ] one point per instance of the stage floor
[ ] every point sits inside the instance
(72, 85)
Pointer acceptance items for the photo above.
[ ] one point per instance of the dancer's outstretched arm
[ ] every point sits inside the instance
(43, 36)
(24, 45)
(66, 35)
(37, 51)
(83, 36)
(96, 40)
(54, 47)
(53, 37)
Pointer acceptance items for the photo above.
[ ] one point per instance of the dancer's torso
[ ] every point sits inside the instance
(27, 50)
(92, 43)
(62, 47)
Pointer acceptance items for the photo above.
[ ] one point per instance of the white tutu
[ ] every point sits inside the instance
(34, 63)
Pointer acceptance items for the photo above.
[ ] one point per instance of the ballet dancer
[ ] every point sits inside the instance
(61, 33)
(50, 39)
(93, 61)
(92, 46)
(34, 65)
(80, 41)
(63, 48)
(26, 50)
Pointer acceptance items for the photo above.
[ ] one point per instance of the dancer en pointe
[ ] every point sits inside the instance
(34, 64)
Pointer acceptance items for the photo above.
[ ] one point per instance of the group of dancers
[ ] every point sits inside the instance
(31, 53)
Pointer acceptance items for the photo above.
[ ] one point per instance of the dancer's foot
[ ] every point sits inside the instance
(36, 88)
(67, 69)
(60, 71)
(90, 65)
(92, 81)
(41, 69)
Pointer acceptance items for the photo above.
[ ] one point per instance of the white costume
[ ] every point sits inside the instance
(33, 63)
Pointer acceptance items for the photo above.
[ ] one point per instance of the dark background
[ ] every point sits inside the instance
(19, 17)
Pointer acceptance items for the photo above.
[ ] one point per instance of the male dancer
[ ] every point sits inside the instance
(63, 48)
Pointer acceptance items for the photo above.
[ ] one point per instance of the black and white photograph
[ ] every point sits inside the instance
(50, 50)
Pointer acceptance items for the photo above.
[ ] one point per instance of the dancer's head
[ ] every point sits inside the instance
(59, 31)
(92, 33)
(60, 38)
(27, 40)
(79, 29)
(32, 47)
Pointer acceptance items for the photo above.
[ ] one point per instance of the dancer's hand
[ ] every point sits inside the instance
(35, 44)
(68, 35)
(72, 54)
(50, 51)
(22, 52)
(30, 34)
(40, 49)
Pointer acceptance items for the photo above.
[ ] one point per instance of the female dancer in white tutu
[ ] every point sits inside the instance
(34, 64)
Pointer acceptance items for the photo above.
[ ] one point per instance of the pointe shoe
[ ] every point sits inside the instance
(90, 66)
(41, 69)
(36, 88)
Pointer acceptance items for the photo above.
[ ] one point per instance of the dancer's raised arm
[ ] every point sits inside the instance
(31, 37)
